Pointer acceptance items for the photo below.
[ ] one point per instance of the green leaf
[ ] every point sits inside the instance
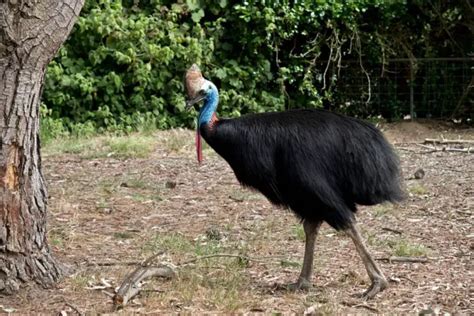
(197, 16)
(223, 3)
(192, 4)
(221, 73)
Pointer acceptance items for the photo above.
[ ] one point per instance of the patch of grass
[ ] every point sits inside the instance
(172, 243)
(135, 146)
(139, 197)
(218, 283)
(123, 235)
(207, 248)
(155, 197)
(176, 141)
(373, 240)
(418, 189)
(226, 288)
(290, 264)
(106, 186)
(381, 210)
(71, 145)
(57, 237)
(404, 248)
(136, 183)
(245, 195)
(79, 281)
(298, 232)
(123, 147)
(178, 244)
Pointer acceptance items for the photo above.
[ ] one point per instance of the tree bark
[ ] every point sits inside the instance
(31, 32)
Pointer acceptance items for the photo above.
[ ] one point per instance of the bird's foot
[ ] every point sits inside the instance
(300, 285)
(378, 285)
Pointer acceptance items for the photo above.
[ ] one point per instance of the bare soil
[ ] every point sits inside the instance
(106, 213)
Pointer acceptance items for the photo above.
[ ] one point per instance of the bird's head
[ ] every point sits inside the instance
(198, 89)
(207, 92)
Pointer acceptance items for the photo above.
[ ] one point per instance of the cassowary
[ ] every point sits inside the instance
(317, 163)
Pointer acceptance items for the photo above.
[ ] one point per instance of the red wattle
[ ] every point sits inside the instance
(198, 145)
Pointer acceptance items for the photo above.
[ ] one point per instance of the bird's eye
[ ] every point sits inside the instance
(202, 92)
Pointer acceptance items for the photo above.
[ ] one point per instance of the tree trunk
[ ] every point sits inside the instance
(31, 32)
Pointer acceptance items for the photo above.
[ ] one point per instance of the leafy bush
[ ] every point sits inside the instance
(122, 67)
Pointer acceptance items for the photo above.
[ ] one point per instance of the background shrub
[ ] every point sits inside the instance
(122, 67)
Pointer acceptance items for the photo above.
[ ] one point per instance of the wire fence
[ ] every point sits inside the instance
(423, 88)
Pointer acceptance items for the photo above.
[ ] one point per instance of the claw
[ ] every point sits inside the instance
(378, 285)
(301, 285)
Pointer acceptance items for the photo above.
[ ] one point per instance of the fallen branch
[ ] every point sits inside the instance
(403, 259)
(448, 141)
(131, 285)
(444, 148)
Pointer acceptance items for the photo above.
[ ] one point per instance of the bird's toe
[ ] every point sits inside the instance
(300, 285)
(378, 285)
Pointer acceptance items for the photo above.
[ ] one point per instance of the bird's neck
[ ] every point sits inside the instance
(207, 115)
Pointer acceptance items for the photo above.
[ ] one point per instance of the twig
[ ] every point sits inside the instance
(327, 65)
(363, 305)
(113, 263)
(463, 97)
(392, 230)
(359, 49)
(227, 255)
(223, 255)
(408, 279)
(407, 149)
(448, 141)
(403, 259)
(75, 308)
(463, 212)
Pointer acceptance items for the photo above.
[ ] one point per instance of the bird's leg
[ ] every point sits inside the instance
(379, 282)
(304, 281)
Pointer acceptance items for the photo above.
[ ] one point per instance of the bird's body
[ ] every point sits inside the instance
(317, 163)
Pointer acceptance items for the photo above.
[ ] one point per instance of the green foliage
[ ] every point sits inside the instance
(122, 67)
(404, 248)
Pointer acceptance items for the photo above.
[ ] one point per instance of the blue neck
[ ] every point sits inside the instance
(209, 107)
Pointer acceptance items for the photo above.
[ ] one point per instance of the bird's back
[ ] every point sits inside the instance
(318, 163)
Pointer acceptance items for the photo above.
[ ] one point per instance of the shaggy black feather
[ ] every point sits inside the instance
(317, 163)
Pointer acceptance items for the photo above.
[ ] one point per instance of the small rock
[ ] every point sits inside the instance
(213, 234)
(170, 184)
(419, 174)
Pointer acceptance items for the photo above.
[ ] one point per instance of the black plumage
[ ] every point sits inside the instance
(319, 164)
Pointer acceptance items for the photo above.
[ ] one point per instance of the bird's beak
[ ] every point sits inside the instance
(194, 101)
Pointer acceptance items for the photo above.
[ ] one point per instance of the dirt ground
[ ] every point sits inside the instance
(108, 213)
